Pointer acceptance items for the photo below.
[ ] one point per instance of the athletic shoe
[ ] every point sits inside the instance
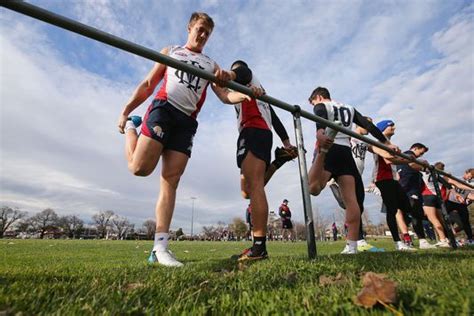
(443, 244)
(249, 255)
(165, 258)
(424, 244)
(136, 120)
(348, 251)
(363, 245)
(283, 155)
(337, 193)
(401, 246)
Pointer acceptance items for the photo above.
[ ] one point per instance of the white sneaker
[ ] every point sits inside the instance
(424, 244)
(401, 246)
(348, 251)
(363, 245)
(443, 244)
(164, 257)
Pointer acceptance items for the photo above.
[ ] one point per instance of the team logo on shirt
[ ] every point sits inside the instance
(359, 150)
(192, 81)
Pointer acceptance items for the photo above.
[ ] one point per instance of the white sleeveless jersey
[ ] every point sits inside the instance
(429, 188)
(344, 113)
(359, 150)
(253, 113)
(185, 91)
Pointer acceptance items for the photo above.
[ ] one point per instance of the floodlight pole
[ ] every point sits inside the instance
(444, 213)
(192, 216)
(308, 211)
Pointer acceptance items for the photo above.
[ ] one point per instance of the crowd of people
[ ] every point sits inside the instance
(170, 123)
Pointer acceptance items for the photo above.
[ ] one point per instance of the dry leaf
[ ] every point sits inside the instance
(376, 289)
(291, 277)
(133, 286)
(332, 280)
(242, 266)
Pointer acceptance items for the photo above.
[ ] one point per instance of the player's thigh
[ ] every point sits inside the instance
(348, 188)
(253, 169)
(173, 164)
(147, 154)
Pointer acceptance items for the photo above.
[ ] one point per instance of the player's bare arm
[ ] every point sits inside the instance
(143, 91)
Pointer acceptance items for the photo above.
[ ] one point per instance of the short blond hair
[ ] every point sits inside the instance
(201, 16)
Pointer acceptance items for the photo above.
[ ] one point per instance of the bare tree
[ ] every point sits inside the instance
(320, 226)
(44, 220)
(212, 232)
(122, 226)
(102, 221)
(238, 227)
(300, 231)
(8, 216)
(71, 225)
(150, 227)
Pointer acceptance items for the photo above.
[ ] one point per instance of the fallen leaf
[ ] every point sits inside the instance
(133, 286)
(242, 266)
(332, 280)
(376, 289)
(291, 277)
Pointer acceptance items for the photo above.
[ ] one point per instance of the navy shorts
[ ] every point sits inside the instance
(339, 162)
(431, 200)
(258, 141)
(171, 127)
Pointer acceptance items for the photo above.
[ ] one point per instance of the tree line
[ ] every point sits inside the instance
(109, 225)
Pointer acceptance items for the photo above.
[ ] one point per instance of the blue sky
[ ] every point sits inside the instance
(61, 94)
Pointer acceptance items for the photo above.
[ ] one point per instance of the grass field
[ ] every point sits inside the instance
(112, 277)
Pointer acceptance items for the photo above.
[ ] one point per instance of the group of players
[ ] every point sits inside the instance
(170, 124)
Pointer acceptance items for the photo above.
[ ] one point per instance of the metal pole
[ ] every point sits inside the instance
(445, 216)
(308, 211)
(192, 217)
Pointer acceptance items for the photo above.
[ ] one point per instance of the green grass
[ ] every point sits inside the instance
(112, 277)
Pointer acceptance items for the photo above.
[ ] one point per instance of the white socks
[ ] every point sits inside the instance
(161, 242)
(129, 125)
(352, 245)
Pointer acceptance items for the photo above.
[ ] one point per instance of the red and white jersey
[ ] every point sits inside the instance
(429, 188)
(383, 170)
(253, 113)
(185, 91)
(344, 113)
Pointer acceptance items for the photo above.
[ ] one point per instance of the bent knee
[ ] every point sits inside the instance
(139, 171)
(245, 195)
(314, 189)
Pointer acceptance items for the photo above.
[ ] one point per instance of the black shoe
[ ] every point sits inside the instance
(283, 155)
(250, 255)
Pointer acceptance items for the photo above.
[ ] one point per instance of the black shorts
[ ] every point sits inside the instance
(431, 200)
(171, 127)
(393, 196)
(454, 206)
(340, 162)
(286, 224)
(258, 141)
